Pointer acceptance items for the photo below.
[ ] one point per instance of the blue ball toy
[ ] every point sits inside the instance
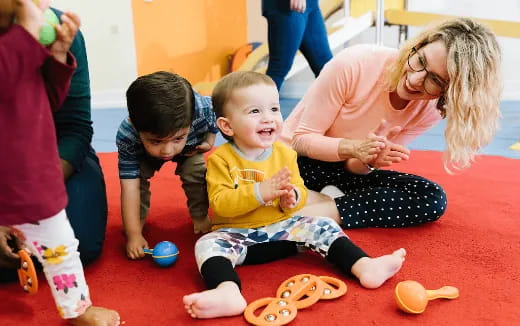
(164, 254)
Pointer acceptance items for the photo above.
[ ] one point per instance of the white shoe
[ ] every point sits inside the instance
(332, 191)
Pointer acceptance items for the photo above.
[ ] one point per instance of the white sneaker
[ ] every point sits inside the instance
(332, 191)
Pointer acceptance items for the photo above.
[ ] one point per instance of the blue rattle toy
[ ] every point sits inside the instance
(164, 254)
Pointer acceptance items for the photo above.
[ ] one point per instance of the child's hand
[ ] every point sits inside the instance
(65, 34)
(288, 200)
(8, 256)
(276, 186)
(135, 245)
(30, 15)
(203, 147)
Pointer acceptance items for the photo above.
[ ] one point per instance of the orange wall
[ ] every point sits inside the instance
(190, 37)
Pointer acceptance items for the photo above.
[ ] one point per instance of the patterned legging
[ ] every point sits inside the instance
(381, 198)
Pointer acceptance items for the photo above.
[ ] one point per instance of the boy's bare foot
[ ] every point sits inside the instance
(225, 300)
(201, 224)
(96, 316)
(373, 272)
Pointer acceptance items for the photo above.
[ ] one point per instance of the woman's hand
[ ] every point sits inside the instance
(298, 5)
(65, 34)
(8, 256)
(392, 152)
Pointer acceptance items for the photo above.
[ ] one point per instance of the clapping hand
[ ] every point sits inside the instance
(288, 200)
(392, 152)
(277, 186)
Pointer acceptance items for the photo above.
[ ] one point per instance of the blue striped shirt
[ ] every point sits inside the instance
(131, 150)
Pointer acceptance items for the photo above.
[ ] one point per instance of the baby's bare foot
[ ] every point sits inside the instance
(201, 224)
(96, 316)
(225, 300)
(373, 272)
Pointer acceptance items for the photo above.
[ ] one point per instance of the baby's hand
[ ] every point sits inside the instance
(288, 200)
(65, 34)
(276, 186)
(135, 245)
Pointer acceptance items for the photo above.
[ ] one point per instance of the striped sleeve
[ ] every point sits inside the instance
(129, 149)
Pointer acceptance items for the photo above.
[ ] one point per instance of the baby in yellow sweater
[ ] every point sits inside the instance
(257, 196)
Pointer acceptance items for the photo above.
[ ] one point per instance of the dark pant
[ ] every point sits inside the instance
(379, 199)
(87, 211)
(87, 208)
(289, 31)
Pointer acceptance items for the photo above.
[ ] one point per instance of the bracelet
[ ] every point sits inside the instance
(370, 167)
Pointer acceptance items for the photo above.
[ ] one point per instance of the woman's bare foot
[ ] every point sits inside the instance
(96, 316)
(225, 300)
(201, 224)
(373, 272)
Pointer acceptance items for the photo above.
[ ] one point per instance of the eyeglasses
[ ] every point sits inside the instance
(433, 84)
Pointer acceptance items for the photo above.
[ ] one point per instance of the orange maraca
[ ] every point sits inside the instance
(413, 298)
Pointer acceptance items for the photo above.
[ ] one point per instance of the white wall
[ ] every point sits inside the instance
(109, 34)
(108, 29)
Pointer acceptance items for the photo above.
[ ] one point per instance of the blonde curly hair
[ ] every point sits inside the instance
(471, 104)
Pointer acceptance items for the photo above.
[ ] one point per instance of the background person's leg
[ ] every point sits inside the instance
(284, 35)
(315, 43)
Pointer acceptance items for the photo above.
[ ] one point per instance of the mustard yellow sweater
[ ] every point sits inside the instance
(231, 189)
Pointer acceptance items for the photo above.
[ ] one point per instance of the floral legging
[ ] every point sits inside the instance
(52, 241)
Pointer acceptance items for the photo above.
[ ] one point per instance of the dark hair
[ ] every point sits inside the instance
(160, 103)
(230, 83)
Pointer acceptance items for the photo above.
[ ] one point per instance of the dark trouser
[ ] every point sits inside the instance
(379, 199)
(87, 208)
(87, 211)
(192, 171)
(289, 31)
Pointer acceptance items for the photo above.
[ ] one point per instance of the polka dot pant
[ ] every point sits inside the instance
(381, 198)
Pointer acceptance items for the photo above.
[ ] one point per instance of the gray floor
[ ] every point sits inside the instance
(106, 122)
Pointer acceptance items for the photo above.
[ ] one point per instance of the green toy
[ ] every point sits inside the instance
(48, 32)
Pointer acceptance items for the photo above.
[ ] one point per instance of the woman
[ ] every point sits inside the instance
(369, 102)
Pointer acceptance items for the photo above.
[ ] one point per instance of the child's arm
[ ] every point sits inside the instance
(130, 212)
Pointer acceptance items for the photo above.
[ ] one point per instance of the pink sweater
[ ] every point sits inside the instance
(348, 100)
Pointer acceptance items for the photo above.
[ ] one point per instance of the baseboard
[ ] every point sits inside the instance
(111, 99)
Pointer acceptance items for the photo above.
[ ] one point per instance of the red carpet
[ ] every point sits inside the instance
(475, 247)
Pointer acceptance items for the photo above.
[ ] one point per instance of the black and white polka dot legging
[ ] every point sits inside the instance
(381, 198)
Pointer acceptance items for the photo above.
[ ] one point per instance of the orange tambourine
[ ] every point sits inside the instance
(27, 273)
(276, 311)
(332, 288)
(304, 289)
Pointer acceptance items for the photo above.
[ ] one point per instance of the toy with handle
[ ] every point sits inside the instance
(27, 273)
(164, 254)
(413, 298)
